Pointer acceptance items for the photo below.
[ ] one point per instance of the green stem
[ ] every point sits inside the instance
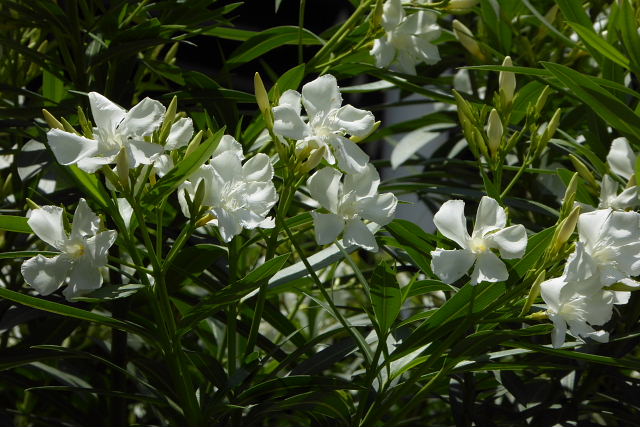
(515, 178)
(300, 29)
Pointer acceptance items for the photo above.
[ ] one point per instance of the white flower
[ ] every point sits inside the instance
(407, 40)
(622, 161)
(179, 136)
(489, 232)
(621, 158)
(83, 252)
(239, 196)
(568, 307)
(348, 203)
(327, 125)
(608, 248)
(116, 130)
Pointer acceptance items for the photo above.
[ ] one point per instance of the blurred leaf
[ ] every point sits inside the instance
(385, 296)
(17, 224)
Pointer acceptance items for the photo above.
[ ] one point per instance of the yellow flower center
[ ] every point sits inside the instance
(478, 245)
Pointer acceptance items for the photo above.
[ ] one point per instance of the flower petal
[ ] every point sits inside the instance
(229, 143)
(47, 224)
(142, 152)
(287, 122)
(356, 233)
(227, 167)
(489, 268)
(292, 99)
(85, 221)
(180, 134)
(490, 217)
(450, 265)
(143, 119)
(106, 114)
(69, 148)
(260, 197)
(229, 225)
(511, 241)
(621, 158)
(383, 51)
(324, 186)
(363, 184)
(392, 14)
(380, 208)
(258, 168)
(559, 332)
(92, 164)
(44, 274)
(327, 227)
(84, 277)
(98, 247)
(351, 120)
(451, 222)
(321, 96)
(551, 292)
(350, 156)
(125, 210)
(580, 266)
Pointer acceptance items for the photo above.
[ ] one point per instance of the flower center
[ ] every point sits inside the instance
(232, 196)
(478, 245)
(323, 131)
(604, 255)
(75, 250)
(401, 41)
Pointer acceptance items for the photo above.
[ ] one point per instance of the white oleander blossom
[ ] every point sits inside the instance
(572, 311)
(117, 130)
(83, 252)
(328, 123)
(489, 232)
(348, 203)
(239, 196)
(621, 160)
(179, 136)
(408, 40)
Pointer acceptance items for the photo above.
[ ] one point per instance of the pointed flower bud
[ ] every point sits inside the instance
(467, 39)
(565, 229)
(507, 81)
(262, 98)
(52, 121)
(460, 6)
(542, 99)
(494, 131)
(583, 170)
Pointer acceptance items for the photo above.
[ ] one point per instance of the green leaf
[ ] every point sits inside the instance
(289, 80)
(263, 272)
(607, 106)
(17, 224)
(52, 87)
(111, 292)
(627, 26)
(385, 296)
(25, 254)
(595, 42)
(68, 311)
(176, 176)
(292, 385)
(90, 183)
(270, 39)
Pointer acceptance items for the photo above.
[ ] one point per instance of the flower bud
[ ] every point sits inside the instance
(583, 170)
(375, 127)
(32, 205)
(122, 164)
(52, 121)
(542, 99)
(494, 131)
(195, 142)
(569, 196)
(262, 98)
(533, 293)
(314, 159)
(466, 38)
(565, 229)
(507, 81)
(85, 124)
(167, 122)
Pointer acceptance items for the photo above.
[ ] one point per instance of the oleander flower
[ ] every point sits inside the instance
(568, 308)
(328, 123)
(83, 252)
(116, 131)
(348, 204)
(621, 158)
(407, 40)
(239, 196)
(489, 232)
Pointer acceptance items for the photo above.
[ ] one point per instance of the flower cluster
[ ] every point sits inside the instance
(325, 132)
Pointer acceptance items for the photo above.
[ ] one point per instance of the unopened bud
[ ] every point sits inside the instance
(52, 121)
(466, 38)
(195, 142)
(553, 125)
(460, 6)
(67, 126)
(262, 98)
(32, 205)
(542, 99)
(569, 196)
(583, 170)
(538, 315)
(494, 131)
(167, 122)
(205, 220)
(507, 81)
(170, 57)
(7, 186)
(122, 164)
(533, 293)
(565, 229)
(314, 159)
(85, 124)
(375, 127)
(464, 108)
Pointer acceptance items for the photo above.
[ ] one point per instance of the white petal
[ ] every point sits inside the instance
(227, 166)
(47, 224)
(84, 278)
(287, 122)
(229, 143)
(621, 297)
(590, 226)
(258, 168)
(324, 186)
(451, 222)
(427, 50)
(85, 222)
(551, 292)
(580, 266)
(142, 152)
(511, 241)
(363, 184)
(106, 114)
(351, 120)
(327, 227)
(260, 197)
(628, 259)
(162, 165)
(383, 51)
(69, 148)
(126, 211)
(92, 164)
(559, 331)
(406, 62)
(392, 14)
(490, 217)
(321, 96)
(143, 119)
(621, 158)
(228, 224)
(356, 233)
(292, 99)
(489, 268)
(629, 198)
(98, 247)
(180, 134)
(380, 208)
(599, 308)
(350, 156)
(46, 275)
(450, 265)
